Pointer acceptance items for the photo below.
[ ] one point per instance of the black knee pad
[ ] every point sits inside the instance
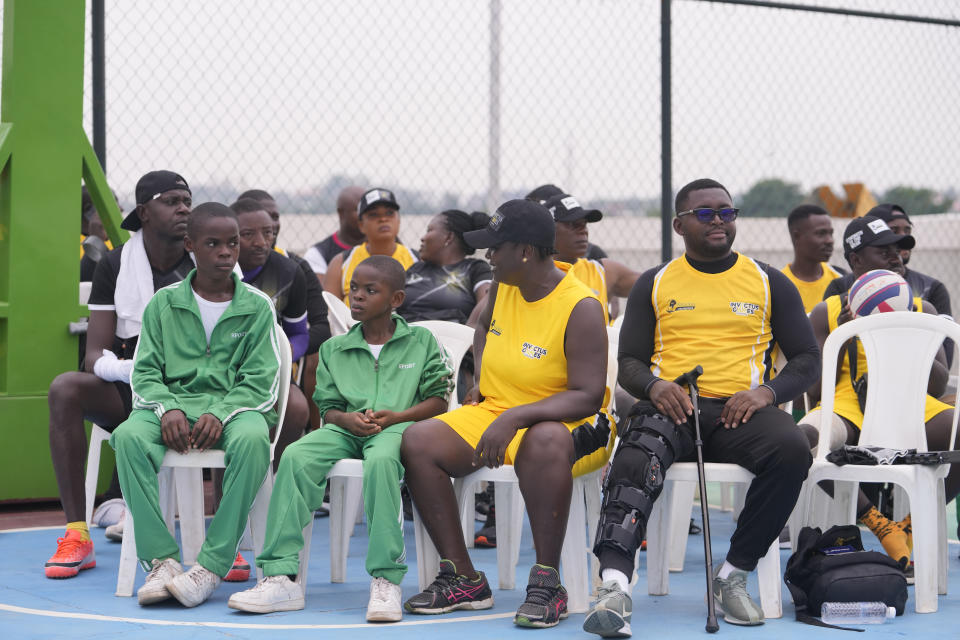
(627, 504)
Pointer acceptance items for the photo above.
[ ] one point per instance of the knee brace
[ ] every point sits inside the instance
(627, 504)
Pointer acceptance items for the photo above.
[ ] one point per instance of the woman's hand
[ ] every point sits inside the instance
(492, 448)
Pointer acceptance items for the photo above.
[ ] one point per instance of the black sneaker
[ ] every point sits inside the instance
(487, 535)
(451, 591)
(546, 602)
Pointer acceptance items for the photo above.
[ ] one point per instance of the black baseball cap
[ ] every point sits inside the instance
(871, 231)
(152, 185)
(376, 196)
(887, 212)
(566, 208)
(520, 221)
(544, 192)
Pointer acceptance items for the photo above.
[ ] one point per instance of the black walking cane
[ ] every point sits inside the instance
(690, 379)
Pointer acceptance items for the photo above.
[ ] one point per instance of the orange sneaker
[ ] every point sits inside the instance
(240, 571)
(72, 556)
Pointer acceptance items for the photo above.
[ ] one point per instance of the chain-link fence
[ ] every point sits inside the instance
(463, 104)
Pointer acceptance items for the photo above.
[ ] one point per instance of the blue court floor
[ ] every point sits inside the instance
(32, 606)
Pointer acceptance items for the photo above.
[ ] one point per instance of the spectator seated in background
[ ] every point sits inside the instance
(541, 358)
(811, 232)
(870, 244)
(343, 239)
(372, 382)
(123, 283)
(922, 285)
(285, 284)
(607, 278)
(94, 242)
(379, 216)
(723, 311)
(228, 403)
(446, 283)
(269, 204)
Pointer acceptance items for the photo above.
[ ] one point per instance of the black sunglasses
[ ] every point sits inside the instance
(705, 215)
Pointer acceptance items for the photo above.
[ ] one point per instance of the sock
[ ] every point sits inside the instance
(80, 526)
(726, 570)
(907, 525)
(890, 535)
(617, 576)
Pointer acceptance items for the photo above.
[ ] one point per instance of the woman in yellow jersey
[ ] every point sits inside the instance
(540, 348)
(870, 244)
(379, 216)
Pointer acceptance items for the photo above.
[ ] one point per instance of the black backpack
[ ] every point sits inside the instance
(833, 567)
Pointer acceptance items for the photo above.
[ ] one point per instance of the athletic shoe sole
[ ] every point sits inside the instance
(288, 605)
(523, 621)
(607, 624)
(153, 598)
(60, 572)
(486, 603)
(732, 620)
(385, 616)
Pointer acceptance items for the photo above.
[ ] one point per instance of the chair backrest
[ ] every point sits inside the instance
(900, 348)
(456, 339)
(283, 393)
(613, 366)
(338, 314)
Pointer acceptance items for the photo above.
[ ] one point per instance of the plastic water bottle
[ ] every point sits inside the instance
(856, 612)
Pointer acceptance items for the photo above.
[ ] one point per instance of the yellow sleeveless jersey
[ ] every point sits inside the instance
(812, 292)
(360, 253)
(592, 274)
(845, 402)
(720, 321)
(524, 359)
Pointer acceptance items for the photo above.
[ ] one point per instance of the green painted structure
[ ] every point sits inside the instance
(44, 155)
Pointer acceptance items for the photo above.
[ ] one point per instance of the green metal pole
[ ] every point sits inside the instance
(42, 154)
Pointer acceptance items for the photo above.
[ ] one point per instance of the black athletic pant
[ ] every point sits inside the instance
(769, 445)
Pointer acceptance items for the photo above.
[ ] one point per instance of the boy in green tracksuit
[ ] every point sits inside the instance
(206, 374)
(372, 383)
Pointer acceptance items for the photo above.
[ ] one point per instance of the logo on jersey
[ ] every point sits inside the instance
(238, 334)
(408, 365)
(532, 351)
(494, 329)
(744, 308)
(673, 305)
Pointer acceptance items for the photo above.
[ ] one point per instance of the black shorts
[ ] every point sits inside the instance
(126, 397)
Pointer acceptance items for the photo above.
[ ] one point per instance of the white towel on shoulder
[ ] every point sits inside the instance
(134, 286)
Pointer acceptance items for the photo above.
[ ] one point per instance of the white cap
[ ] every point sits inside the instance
(891, 612)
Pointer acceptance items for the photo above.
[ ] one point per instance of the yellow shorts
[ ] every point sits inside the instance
(470, 421)
(846, 405)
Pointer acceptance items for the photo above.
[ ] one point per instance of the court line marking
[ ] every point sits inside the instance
(96, 617)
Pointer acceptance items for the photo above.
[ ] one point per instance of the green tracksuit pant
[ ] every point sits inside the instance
(140, 450)
(298, 492)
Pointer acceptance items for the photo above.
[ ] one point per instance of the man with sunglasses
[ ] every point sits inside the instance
(124, 280)
(723, 311)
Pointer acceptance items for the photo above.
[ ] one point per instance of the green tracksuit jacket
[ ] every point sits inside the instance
(175, 368)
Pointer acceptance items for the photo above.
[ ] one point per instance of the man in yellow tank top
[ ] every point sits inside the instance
(811, 232)
(540, 358)
(870, 244)
(724, 311)
(379, 216)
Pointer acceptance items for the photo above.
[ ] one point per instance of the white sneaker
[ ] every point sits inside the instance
(273, 593)
(194, 586)
(384, 605)
(110, 512)
(154, 588)
(115, 531)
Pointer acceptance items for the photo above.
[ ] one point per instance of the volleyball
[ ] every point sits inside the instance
(879, 291)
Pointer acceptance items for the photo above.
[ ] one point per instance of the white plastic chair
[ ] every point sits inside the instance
(338, 314)
(900, 348)
(668, 528)
(188, 481)
(346, 477)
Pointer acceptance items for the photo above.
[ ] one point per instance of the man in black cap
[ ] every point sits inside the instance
(926, 287)
(868, 244)
(123, 283)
